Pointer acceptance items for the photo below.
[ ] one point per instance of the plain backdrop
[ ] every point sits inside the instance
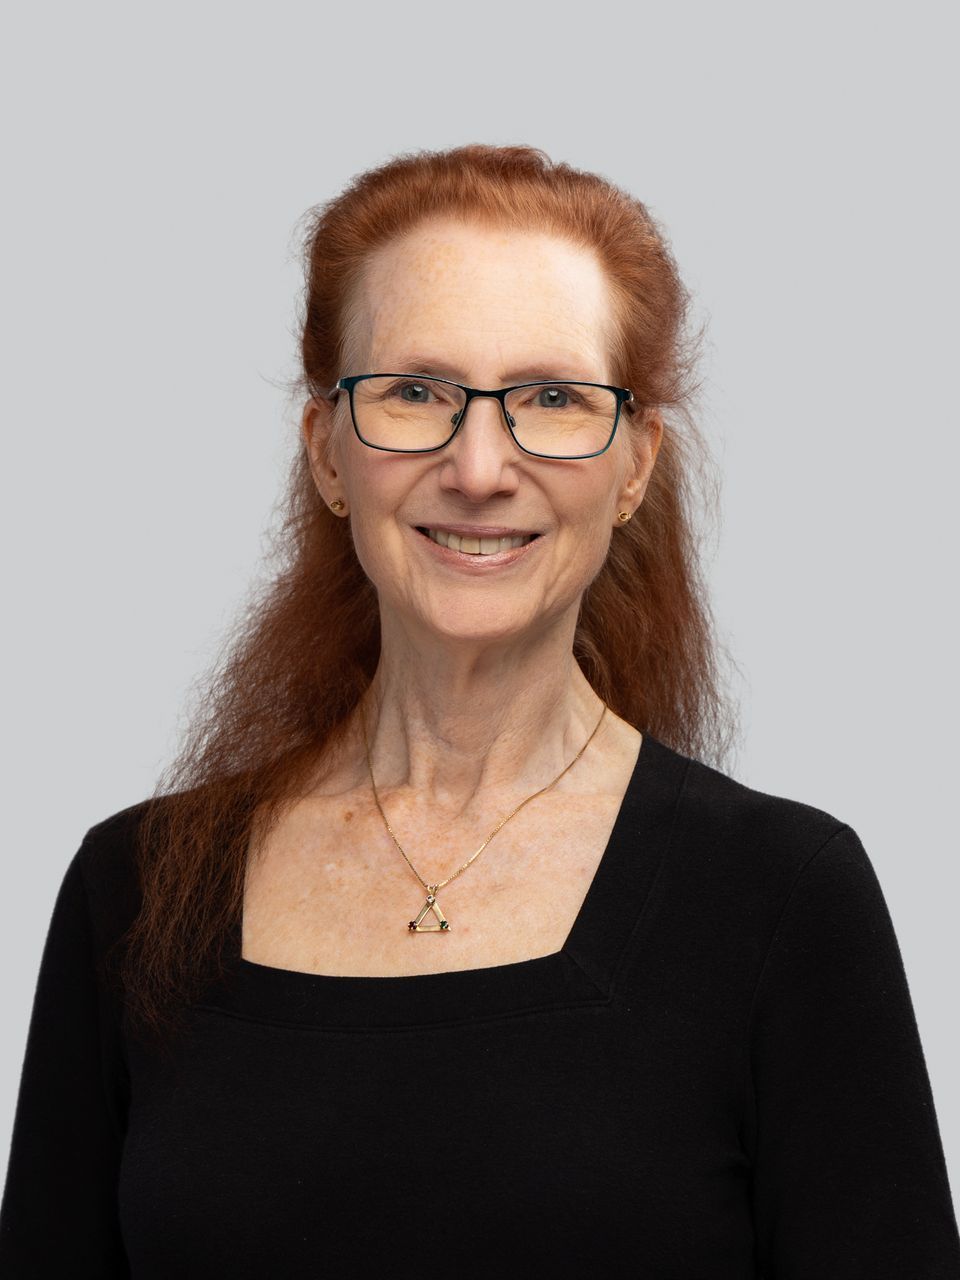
(156, 161)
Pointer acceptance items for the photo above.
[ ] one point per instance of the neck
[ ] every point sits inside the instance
(450, 722)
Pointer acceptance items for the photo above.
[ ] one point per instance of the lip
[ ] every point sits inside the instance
(473, 563)
(480, 530)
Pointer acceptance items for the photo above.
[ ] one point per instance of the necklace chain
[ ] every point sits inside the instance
(432, 888)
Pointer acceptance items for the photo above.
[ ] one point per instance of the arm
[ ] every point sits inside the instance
(59, 1210)
(849, 1172)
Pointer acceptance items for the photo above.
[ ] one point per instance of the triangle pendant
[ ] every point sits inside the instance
(433, 905)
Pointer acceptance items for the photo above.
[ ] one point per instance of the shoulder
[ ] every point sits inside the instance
(747, 836)
(106, 865)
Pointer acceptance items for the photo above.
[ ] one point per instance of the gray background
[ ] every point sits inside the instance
(157, 159)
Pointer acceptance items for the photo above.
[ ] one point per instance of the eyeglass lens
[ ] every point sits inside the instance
(564, 420)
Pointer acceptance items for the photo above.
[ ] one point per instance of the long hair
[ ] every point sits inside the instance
(306, 646)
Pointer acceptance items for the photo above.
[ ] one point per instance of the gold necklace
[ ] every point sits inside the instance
(431, 903)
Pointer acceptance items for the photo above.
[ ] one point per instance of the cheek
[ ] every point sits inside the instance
(587, 518)
(387, 554)
(581, 551)
(377, 550)
(597, 543)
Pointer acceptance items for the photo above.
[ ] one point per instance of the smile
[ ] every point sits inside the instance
(478, 553)
(476, 546)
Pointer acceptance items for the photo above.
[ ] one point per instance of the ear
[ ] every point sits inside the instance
(319, 437)
(642, 456)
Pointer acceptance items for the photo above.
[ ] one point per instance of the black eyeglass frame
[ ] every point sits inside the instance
(623, 394)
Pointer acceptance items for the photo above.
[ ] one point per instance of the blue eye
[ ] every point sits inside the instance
(408, 386)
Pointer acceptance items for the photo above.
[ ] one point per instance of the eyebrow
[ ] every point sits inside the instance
(430, 367)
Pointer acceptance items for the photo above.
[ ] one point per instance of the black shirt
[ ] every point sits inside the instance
(718, 1075)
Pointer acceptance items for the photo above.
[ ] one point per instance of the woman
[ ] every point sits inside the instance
(292, 1020)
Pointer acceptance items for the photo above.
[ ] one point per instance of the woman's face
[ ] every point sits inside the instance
(481, 307)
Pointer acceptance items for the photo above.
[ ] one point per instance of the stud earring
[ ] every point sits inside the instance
(337, 504)
(624, 516)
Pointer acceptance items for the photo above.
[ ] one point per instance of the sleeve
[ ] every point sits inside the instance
(849, 1176)
(58, 1216)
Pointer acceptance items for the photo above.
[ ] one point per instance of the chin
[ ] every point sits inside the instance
(473, 622)
(462, 630)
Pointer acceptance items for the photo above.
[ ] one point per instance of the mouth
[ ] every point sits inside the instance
(479, 547)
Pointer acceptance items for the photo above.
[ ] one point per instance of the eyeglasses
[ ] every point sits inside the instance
(403, 413)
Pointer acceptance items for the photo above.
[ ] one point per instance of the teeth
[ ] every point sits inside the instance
(476, 546)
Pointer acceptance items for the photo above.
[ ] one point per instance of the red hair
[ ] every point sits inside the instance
(308, 644)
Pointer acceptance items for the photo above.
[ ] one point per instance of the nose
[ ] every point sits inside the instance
(478, 457)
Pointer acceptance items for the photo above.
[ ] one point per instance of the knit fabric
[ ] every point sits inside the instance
(719, 1076)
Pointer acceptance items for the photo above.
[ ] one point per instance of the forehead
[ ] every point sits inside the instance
(486, 301)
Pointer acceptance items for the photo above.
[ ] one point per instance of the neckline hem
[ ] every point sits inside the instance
(582, 970)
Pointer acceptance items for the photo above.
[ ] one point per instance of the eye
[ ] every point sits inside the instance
(419, 392)
(556, 397)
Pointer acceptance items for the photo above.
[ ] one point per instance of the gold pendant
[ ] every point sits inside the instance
(433, 905)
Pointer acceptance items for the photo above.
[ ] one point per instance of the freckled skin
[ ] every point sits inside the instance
(478, 701)
(485, 302)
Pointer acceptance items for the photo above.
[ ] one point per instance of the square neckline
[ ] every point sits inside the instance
(581, 970)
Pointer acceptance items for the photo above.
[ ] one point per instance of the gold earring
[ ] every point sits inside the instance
(337, 504)
(624, 516)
